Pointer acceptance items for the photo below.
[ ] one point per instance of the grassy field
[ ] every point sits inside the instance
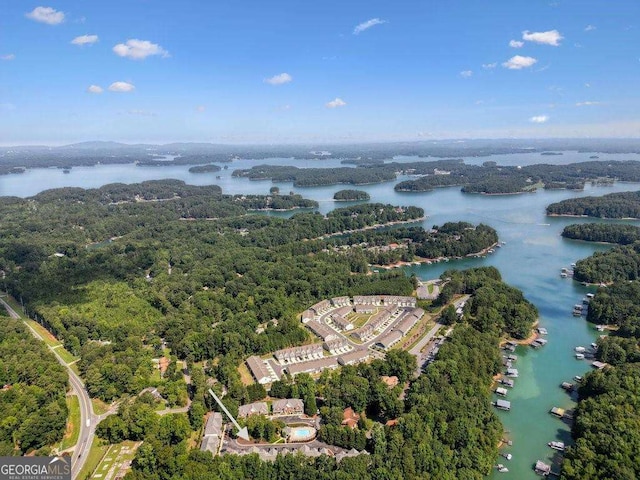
(67, 356)
(99, 407)
(359, 319)
(113, 460)
(95, 455)
(49, 339)
(73, 423)
(245, 375)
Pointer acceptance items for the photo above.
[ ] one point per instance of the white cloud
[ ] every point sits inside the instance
(200, 108)
(139, 49)
(337, 102)
(367, 25)
(589, 28)
(8, 56)
(516, 44)
(551, 37)
(121, 87)
(85, 40)
(46, 15)
(279, 79)
(587, 104)
(466, 73)
(489, 66)
(519, 62)
(539, 119)
(95, 89)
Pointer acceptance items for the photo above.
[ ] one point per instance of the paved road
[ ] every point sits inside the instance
(418, 348)
(88, 420)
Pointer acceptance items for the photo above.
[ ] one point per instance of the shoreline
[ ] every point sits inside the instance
(372, 227)
(422, 260)
(568, 215)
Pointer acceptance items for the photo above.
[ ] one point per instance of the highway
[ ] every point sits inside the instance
(88, 420)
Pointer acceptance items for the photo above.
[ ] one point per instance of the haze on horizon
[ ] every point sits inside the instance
(286, 72)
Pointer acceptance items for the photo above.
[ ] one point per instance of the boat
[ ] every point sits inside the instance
(539, 342)
(573, 265)
(508, 456)
(542, 468)
(594, 345)
(590, 295)
(567, 386)
(580, 356)
(577, 378)
(580, 349)
(501, 391)
(542, 331)
(557, 446)
(501, 468)
(563, 275)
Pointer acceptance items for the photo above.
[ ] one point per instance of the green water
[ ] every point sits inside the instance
(530, 260)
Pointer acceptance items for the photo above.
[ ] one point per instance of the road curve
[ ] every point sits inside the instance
(88, 419)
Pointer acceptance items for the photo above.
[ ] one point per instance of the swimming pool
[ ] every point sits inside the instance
(300, 434)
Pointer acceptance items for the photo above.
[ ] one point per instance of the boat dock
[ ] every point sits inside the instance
(539, 342)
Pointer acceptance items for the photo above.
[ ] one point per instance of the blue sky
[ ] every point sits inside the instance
(329, 71)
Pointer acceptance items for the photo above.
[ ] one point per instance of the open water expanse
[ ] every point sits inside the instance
(530, 260)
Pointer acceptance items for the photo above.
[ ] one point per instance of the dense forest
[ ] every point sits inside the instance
(388, 246)
(493, 179)
(621, 234)
(495, 307)
(613, 205)
(208, 168)
(619, 263)
(351, 195)
(112, 276)
(311, 177)
(32, 396)
(607, 422)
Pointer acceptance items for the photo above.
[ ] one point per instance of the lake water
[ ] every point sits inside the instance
(530, 260)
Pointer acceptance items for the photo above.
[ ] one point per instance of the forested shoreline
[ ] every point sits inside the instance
(620, 234)
(217, 291)
(613, 205)
(607, 423)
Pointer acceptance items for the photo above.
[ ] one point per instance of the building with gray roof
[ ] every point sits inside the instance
(256, 408)
(389, 340)
(213, 433)
(315, 366)
(259, 370)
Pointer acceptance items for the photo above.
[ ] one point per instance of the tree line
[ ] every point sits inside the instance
(613, 205)
(33, 389)
(607, 422)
